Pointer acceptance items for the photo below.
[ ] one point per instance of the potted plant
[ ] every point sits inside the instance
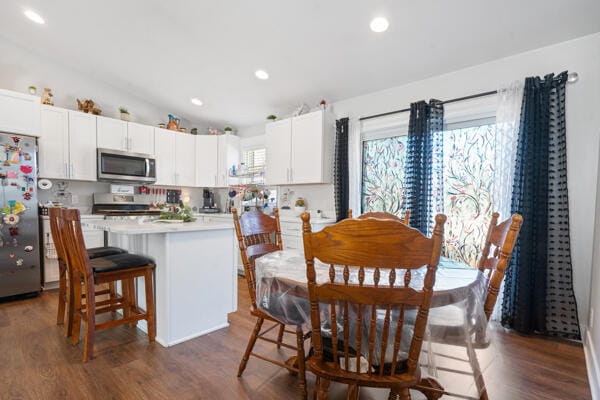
(32, 89)
(272, 117)
(124, 114)
(228, 129)
(300, 206)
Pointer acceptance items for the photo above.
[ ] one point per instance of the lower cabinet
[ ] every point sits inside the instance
(291, 230)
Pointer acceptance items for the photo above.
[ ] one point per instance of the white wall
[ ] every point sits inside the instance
(583, 126)
(20, 68)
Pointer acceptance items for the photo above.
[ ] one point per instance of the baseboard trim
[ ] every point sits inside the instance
(592, 365)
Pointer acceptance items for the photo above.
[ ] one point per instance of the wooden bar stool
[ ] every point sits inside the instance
(65, 294)
(86, 273)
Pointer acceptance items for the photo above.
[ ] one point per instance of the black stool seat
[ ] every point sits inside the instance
(96, 252)
(119, 262)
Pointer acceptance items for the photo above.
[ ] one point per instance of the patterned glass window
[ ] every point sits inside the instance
(468, 173)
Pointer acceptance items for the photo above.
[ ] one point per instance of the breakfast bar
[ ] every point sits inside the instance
(196, 285)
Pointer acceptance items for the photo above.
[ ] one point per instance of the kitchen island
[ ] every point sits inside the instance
(195, 276)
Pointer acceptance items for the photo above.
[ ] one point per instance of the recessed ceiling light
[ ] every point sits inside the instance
(196, 101)
(379, 24)
(260, 74)
(35, 17)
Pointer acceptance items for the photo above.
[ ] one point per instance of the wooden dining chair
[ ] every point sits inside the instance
(258, 234)
(87, 273)
(65, 292)
(493, 262)
(369, 248)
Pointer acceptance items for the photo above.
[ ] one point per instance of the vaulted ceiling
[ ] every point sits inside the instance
(171, 51)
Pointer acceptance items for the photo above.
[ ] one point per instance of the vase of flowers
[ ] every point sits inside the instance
(300, 206)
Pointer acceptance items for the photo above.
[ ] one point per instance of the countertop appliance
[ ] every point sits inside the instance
(19, 225)
(208, 203)
(122, 166)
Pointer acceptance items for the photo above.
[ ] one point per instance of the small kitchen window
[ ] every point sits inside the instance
(254, 159)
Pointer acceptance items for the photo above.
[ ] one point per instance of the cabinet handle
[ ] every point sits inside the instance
(216, 184)
(72, 170)
(66, 170)
(291, 175)
(129, 140)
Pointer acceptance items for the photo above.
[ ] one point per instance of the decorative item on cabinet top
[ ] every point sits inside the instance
(32, 90)
(300, 206)
(47, 97)
(272, 117)
(173, 123)
(124, 114)
(87, 106)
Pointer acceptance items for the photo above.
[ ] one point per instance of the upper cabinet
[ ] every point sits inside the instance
(111, 133)
(19, 113)
(125, 136)
(140, 138)
(299, 149)
(207, 160)
(67, 145)
(228, 149)
(175, 158)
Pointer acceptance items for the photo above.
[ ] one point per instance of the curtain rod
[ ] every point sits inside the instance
(573, 77)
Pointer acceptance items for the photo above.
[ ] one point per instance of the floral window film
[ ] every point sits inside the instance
(467, 184)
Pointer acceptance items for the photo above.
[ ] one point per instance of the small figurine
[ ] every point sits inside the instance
(47, 97)
(87, 106)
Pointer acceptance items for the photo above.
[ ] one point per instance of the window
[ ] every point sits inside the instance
(468, 174)
(254, 160)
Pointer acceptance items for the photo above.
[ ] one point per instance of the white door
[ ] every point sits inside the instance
(307, 148)
(53, 145)
(278, 145)
(206, 160)
(185, 159)
(140, 138)
(165, 156)
(82, 146)
(111, 133)
(19, 113)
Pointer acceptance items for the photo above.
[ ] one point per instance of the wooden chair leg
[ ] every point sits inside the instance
(250, 346)
(126, 298)
(477, 374)
(404, 394)
(352, 392)
(132, 299)
(393, 395)
(301, 359)
(90, 323)
(76, 311)
(280, 335)
(322, 389)
(70, 300)
(62, 293)
(150, 309)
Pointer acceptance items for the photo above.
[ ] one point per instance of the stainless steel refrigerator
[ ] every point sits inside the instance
(19, 238)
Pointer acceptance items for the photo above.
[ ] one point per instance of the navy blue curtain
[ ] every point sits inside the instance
(340, 169)
(423, 194)
(538, 291)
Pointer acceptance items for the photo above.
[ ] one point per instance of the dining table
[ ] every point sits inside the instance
(456, 305)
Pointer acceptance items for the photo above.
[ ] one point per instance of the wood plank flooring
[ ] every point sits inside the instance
(37, 362)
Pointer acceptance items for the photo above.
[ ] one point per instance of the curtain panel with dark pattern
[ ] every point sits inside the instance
(538, 291)
(340, 169)
(423, 190)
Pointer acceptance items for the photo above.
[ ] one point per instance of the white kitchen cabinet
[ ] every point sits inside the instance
(125, 136)
(175, 158)
(279, 148)
(300, 149)
(19, 113)
(165, 156)
(228, 155)
(291, 230)
(140, 138)
(207, 160)
(53, 145)
(82, 146)
(185, 160)
(111, 133)
(67, 146)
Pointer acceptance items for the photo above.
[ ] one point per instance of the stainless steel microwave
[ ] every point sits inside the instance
(123, 166)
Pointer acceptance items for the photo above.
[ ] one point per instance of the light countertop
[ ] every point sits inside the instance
(287, 218)
(148, 227)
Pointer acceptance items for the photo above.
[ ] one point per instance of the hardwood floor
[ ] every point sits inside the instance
(37, 362)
